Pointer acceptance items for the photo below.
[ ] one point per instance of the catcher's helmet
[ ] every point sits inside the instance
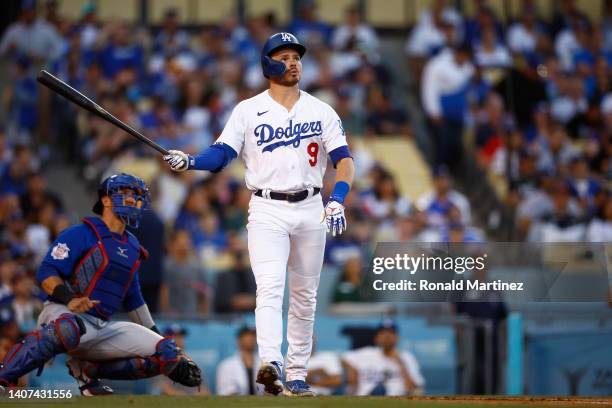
(113, 187)
(271, 67)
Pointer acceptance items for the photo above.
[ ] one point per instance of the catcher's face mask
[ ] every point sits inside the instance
(129, 196)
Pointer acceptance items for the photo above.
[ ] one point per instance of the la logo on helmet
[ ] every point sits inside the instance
(286, 37)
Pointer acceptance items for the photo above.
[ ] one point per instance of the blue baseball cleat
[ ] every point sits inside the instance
(298, 388)
(270, 375)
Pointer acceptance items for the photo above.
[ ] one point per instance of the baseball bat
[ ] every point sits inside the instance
(74, 96)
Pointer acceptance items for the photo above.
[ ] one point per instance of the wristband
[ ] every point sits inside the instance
(62, 294)
(341, 190)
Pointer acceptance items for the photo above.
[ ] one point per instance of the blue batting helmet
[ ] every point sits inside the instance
(271, 67)
(114, 187)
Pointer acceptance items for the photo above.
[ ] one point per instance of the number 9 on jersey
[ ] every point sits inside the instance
(313, 152)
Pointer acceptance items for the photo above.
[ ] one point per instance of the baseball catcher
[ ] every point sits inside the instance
(89, 273)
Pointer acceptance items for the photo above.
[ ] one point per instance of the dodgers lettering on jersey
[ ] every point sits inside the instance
(283, 150)
(293, 134)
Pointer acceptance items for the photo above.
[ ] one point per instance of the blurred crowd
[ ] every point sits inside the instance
(535, 98)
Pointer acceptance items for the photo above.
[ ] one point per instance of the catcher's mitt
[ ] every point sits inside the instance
(186, 372)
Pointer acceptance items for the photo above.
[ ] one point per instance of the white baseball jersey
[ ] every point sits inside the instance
(232, 376)
(374, 367)
(283, 150)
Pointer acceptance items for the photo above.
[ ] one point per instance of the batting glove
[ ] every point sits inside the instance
(334, 217)
(177, 160)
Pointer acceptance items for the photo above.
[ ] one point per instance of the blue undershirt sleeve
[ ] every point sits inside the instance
(213, 159)
(339, 153)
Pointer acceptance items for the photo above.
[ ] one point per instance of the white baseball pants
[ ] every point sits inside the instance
(286, 239)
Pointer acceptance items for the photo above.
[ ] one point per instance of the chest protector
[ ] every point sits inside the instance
(107, 270)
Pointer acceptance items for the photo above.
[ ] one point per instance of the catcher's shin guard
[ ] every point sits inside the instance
(168, 360)
(124, 369)
(59, 336)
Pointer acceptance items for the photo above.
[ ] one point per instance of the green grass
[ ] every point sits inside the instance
(136, 401)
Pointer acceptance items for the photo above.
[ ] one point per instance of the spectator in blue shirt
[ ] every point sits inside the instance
(582, 185)
(308, 28)
(23, 103)
(483, 19)
(15, 178)
(121, 53)
(171, 39)
(195, 205)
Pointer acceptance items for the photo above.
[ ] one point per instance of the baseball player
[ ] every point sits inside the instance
(89, 273)
(236, 374)
(284, 136)
(383, 369)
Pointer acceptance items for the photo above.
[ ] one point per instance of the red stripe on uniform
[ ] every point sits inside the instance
(132, 272)
(94, 280)
(93, 227)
